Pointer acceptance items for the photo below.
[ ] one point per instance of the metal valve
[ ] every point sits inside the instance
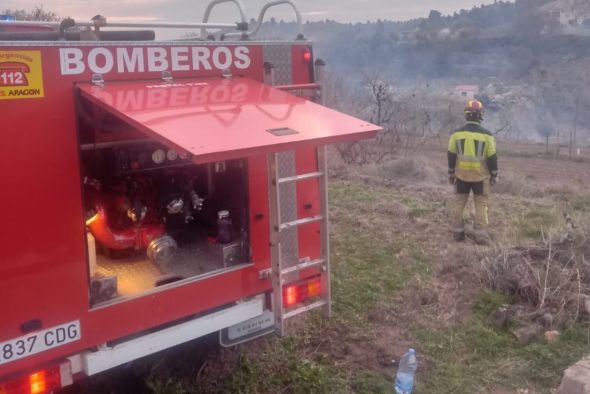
(175, 206)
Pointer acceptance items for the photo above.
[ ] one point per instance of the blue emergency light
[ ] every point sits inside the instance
(7, 18)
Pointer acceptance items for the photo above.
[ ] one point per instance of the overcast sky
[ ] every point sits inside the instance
(192, 10)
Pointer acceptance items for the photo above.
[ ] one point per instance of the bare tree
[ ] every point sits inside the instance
(38, 13)
(380, 100)
(374, 101)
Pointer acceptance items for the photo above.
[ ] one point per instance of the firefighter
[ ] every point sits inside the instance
(473, 167)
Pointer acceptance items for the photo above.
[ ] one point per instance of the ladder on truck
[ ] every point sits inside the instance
(284, 221)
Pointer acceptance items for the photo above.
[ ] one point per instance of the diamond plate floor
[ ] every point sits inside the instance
(137, 274)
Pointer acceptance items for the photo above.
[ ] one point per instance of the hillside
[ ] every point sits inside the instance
(528, 58)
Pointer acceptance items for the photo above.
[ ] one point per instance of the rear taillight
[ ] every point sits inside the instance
(38, 382)
(42, 381)
(302, 291)
(307, 55)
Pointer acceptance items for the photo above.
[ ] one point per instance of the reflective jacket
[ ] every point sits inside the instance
(472, 153)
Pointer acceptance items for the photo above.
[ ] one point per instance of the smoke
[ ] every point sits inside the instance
(530, 68)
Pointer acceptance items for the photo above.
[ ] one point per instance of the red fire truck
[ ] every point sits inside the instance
(154, 192)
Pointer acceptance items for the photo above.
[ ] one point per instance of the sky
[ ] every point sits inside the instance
(193, 10)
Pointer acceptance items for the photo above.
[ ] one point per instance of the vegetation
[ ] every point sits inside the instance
(397, 282)
(535, 223)
(473, 356)
(37, 13)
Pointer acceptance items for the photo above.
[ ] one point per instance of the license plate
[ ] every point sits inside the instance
(252, 326)
(39, 341)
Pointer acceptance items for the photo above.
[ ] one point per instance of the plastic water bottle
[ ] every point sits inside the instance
(224, 227)
(404, 379)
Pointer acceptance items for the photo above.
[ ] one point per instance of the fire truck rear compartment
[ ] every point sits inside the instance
(153, 217)
(137, 273)
(162, 195)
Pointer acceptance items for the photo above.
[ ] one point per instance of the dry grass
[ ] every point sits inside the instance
(513, 184)
(402, 167)
(550, 280)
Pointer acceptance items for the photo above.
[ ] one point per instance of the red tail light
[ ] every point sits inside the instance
(42, 381)
(38, 382)
(307, 55)
(290, 295)
(300, 292)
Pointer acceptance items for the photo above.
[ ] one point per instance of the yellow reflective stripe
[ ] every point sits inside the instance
(469, 165)
(471, 139)
(469, 158)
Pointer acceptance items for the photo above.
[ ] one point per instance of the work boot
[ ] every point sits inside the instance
(459, 237)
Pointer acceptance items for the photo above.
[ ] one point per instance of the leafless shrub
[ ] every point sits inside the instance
(409, 115)
(338, 170)
(402, 167)
(365, 152)
(550, 279)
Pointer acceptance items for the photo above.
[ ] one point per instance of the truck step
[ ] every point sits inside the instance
(302, 177)
(303, 309)
(302, 221)
(302, 266)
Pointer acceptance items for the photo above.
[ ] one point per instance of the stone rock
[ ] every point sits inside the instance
(576, 379)
(552, 336)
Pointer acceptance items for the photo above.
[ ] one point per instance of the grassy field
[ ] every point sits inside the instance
(399, 281)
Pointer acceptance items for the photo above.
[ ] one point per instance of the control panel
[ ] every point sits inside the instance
(132, 159)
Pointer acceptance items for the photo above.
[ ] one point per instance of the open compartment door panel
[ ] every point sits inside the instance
(220, 119)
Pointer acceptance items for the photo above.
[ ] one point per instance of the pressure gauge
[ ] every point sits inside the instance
(184, 155)
(159, 156)
(172, 155)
